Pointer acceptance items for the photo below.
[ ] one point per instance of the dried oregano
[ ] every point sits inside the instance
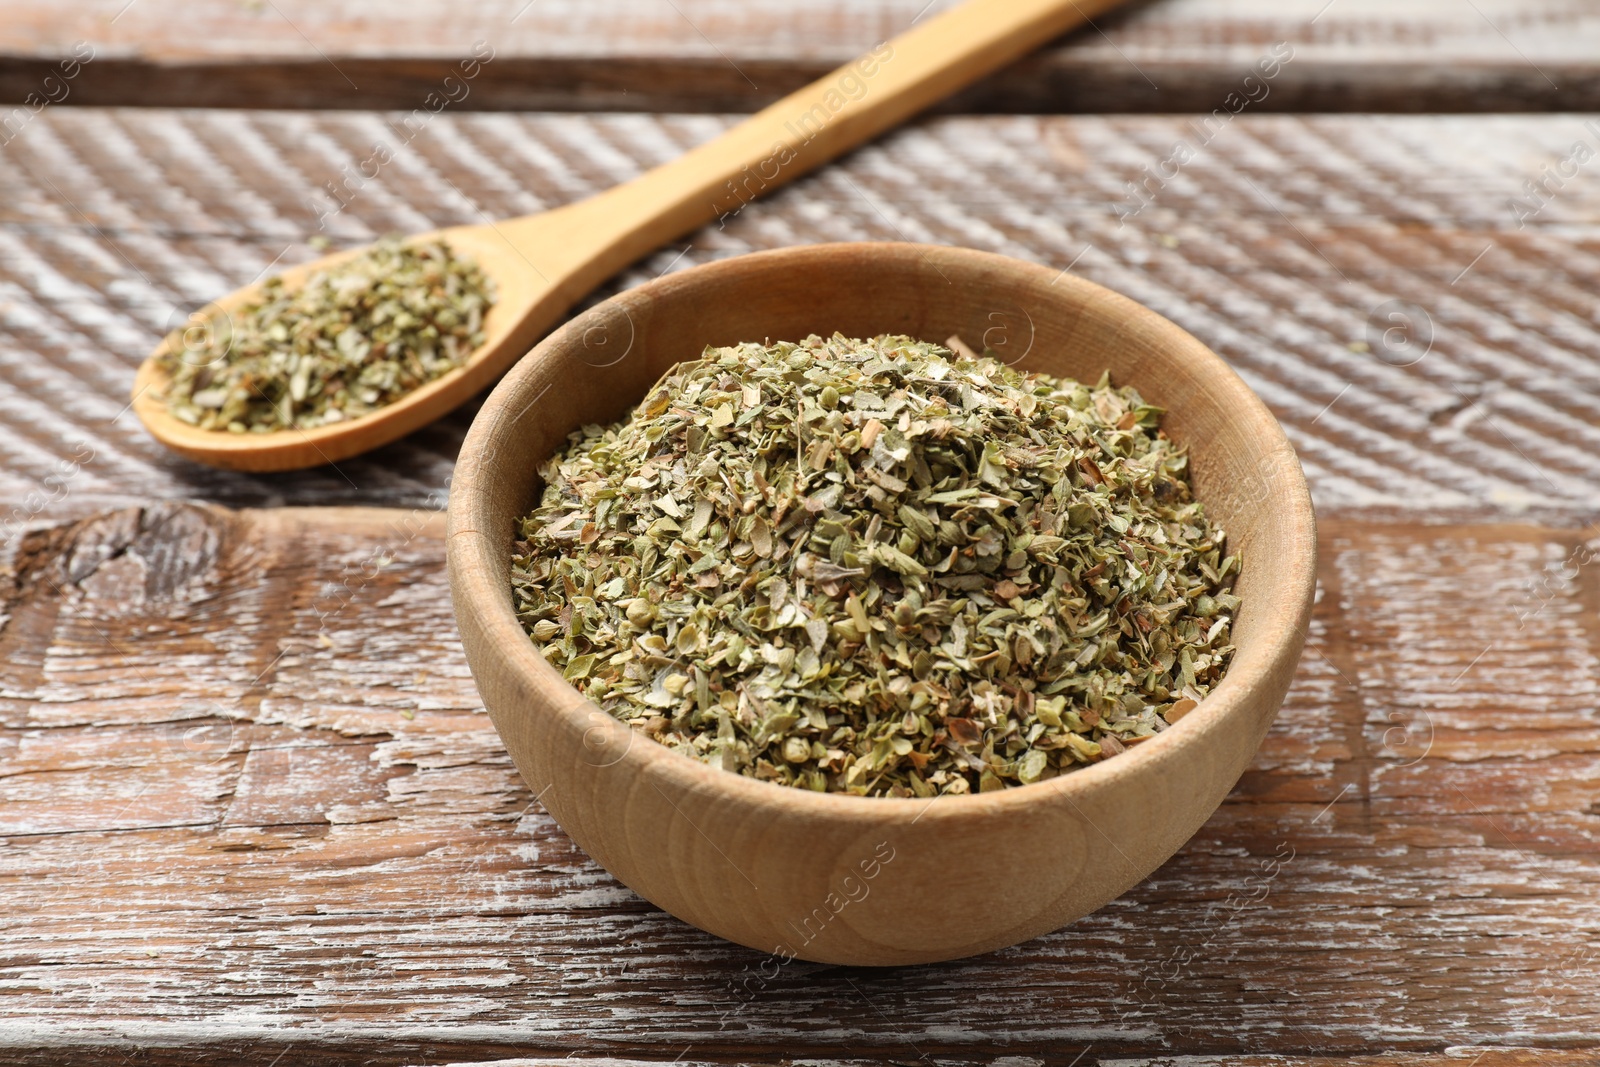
(347, 342)
(873, 567)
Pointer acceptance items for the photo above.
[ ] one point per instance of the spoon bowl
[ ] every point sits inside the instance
(526, 303)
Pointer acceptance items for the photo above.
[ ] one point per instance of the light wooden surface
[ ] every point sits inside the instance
(635, 55)
(347, 884)
(850, 880)
(541, 264)
(1276, 247)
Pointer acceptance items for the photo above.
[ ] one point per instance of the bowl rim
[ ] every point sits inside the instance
(472, 561)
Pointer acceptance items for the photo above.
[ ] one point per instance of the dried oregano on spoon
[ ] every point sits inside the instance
(349, 341)
(873, 567)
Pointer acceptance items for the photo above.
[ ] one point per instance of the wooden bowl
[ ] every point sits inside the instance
(862, 880)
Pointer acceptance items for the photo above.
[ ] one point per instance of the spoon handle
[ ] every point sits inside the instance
(934, 59)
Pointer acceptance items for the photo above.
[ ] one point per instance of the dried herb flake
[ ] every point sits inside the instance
(349, 341)
(876, 567)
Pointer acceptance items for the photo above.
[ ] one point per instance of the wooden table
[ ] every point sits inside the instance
(251, 811)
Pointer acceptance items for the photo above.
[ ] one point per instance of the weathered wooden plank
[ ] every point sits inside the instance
(1457, 1056)
(1282, 244)
(697, 55)
(248, 804)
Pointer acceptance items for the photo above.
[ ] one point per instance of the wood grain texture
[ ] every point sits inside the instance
(251, 805)
(698, 55)
(1277, 246)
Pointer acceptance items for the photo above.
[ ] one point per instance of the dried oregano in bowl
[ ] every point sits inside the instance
(352, 339)
(873, 567)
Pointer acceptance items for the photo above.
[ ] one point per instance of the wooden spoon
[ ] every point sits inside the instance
(543, 264)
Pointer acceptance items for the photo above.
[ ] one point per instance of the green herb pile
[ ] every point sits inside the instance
(873, 567)
(349, 341)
